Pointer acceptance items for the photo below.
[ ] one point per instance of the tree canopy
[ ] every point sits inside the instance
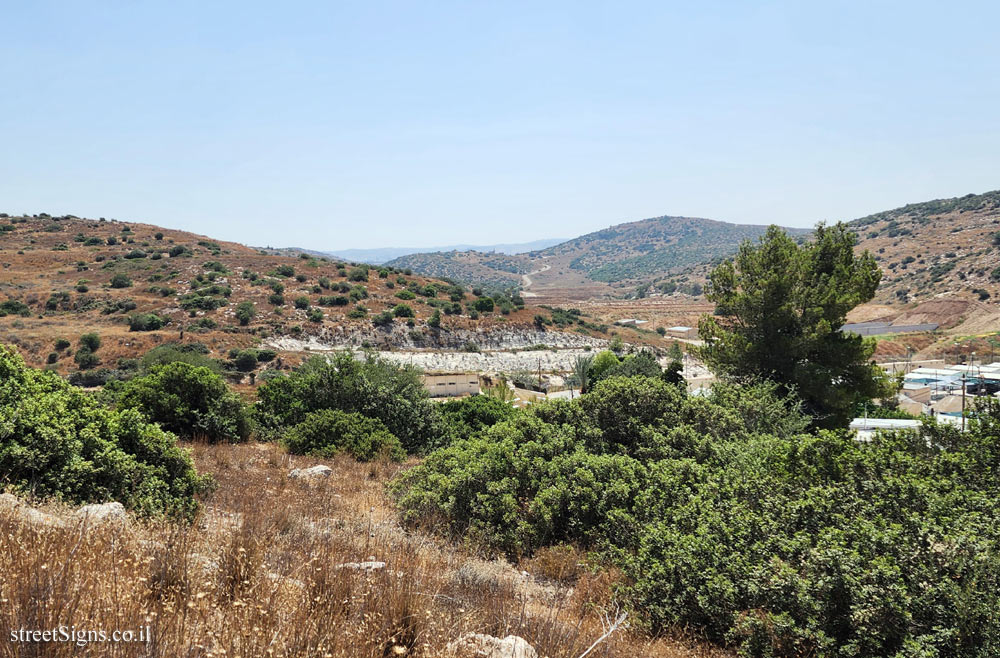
(779, 309)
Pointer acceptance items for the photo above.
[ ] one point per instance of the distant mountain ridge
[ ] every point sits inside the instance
(608, 262)
(926, 249)
(381, 255)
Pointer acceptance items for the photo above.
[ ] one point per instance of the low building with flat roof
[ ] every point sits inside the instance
(866, 428)
(455, 384)
(683, 332)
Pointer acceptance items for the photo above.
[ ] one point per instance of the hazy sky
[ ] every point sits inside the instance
(331, 125)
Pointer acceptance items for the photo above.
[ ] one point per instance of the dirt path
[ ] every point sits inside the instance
(526, 280)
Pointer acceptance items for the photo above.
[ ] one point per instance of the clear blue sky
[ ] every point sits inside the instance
(332, 125)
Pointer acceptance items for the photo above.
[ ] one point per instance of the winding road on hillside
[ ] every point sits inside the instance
(526, 280)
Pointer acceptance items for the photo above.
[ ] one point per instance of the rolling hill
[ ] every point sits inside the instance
(944, 247)
(612, 261)
(927, 250)
(139, 286)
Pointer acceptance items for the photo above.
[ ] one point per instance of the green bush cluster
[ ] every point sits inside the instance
(372, 387)
(121, 281)
(190, 401)
(14, 307)
(326, 432)
(726, 517)
(58, 442)
(465, 417)
(146, 322)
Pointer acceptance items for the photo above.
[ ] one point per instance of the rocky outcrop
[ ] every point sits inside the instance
(88, 515)
(16, 508)
(313, 473)
(371, 564)
(402, 337)
(101, 513)
(479, 645)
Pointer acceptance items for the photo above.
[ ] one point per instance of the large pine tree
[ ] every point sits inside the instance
(779, 309)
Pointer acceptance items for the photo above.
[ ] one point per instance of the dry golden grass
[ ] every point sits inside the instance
(257, 575)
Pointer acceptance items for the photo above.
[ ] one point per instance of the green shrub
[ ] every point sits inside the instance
(121, 281)
(193, 354)
(277, 299)
(190, 401)
(483, 305)
(60, 443)
(406, 295)
(468, 416)
(726, 518)
(245, 311)
(14, 307)
(197, 302)
(146, 322)
(327, 432)
(402, 311)
(301, 302)
(315, 315)
(91, 341)
(383, 319)
(333, 300)
(61, 344)
(245, 360)
(374, 388)
(358, 274)
(266, 355)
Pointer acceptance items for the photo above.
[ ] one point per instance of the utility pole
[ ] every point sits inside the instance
(963, 401)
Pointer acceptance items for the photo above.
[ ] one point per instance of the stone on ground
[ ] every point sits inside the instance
(478, 645)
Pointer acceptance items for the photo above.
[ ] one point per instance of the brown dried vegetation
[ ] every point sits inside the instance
(257, 575)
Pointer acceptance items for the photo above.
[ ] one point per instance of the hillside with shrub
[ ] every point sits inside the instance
(610, 261)
(137, 287)
(490, 270)
(924, 249)
(208, 561)
(945, 245)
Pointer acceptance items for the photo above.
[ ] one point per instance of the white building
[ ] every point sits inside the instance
(867, 427)
(452, 384)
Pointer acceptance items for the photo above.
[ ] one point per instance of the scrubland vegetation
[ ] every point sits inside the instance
(747, 520)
